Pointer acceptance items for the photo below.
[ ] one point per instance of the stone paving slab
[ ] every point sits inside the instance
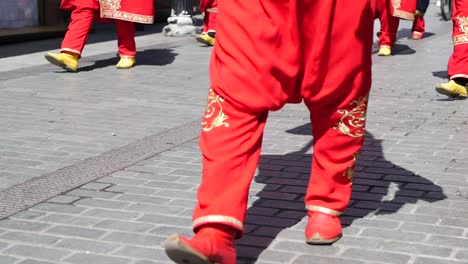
(409, 202)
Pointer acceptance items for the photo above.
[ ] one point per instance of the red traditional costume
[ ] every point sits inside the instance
(209, 9)
(268, 54)
(389, 12)
(458, 62)
(209, 20)
(123, 12)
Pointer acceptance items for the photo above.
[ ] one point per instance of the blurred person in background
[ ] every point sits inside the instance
(124, 13)
(209, 9)
(389, 13)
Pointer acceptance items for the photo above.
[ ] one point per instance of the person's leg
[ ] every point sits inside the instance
(208, 36)
(389, 28)
(74, 40)
(419, 27)
(458, 62)
(230, 143)
(335, 89)
(126, 42)
(246, 83)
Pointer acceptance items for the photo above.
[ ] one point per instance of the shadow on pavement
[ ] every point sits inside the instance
(379, 187)
(154, 57)
(440, 74)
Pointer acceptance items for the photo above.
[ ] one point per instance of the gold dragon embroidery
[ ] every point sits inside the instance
(349, 173)
(214, 107)
(352, 122)
(463, 26)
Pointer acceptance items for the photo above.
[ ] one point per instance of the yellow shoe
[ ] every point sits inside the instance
(68, 62)
(126, 63)
(385, 51)
(206, 38)
(452, 89)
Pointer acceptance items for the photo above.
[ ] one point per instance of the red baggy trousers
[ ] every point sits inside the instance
(267, 54)
(388, 23)
(82, 17)
(458, 62)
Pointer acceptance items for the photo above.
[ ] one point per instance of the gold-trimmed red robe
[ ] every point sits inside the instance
(404, 9)
(141, 11)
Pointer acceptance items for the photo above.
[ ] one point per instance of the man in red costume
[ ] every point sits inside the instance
(122, 12)
(209, 9)
(389, 13)
(267, 54)
(458, 62)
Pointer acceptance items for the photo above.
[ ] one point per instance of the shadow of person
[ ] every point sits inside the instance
(154, 57)
(440, 74)
(379, 187)
(401, 49)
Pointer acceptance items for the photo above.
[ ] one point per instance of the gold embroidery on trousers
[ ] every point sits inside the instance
(349, 173)
(463, 26)
(218, 219)
(322, 210)
(352, 122)
(214, 116)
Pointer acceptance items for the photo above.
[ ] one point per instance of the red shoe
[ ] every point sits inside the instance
(322, 229)
(417, 35)
(208, 246)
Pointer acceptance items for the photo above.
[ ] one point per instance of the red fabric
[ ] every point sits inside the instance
(78, 29)
(458, 62)
(388, 23)
(404, 9)
(419, 25)
(80, 25)
(141, 11)
(72, 4)
(209, 20)
(332, 77)
(126, 38)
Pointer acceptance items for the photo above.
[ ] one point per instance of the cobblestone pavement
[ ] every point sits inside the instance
(101, 166)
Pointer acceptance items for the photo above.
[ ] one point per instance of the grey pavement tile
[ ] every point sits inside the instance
(8, 260)
(29, 238)
(87, 245)
(37, 252)
(31, 261)
(69, 220)
(134, 239)
(124, 226)
(73, 231)
(22, 225)
(374, 255)
(80, 258)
